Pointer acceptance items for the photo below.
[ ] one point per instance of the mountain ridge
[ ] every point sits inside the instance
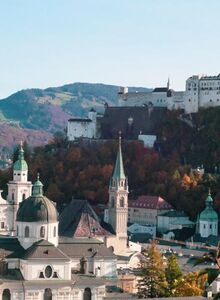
(47, 110)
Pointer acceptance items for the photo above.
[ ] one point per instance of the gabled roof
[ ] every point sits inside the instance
(160, 90)
(10, 247)
(78, 219)
(84, 247)
(149, 202)
(44, 250)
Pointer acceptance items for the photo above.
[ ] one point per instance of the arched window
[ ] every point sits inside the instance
(54, 231)
(42, 231)
(13, 196)
(6, 295)
(23, 196)
(122, 200)
(87, 295)
(47, 294)
(26, 231)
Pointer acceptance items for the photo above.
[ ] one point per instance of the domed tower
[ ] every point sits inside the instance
(208, 219)
(19, 188)
(37, 218)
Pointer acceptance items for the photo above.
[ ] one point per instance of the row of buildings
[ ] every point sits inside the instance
(76, 255)
(200, 91)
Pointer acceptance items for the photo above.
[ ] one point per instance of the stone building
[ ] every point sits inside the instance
(145, 209)
(82, 127)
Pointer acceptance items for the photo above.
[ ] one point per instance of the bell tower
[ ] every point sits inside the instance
(118, 199)
(19, 188)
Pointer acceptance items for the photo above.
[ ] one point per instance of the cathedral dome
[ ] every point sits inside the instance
(37, 208)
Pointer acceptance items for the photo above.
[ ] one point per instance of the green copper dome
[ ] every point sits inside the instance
(208, 214)
(20, 164)
(37, 207)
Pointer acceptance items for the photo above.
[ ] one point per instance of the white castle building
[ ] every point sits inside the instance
(82, 127)
(38, 263)
(200, 91)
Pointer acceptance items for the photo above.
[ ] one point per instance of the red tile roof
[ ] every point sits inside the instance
(149, 202)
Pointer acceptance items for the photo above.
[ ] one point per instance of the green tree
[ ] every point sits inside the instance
(212, 257)
(153, 280)
(173, 274)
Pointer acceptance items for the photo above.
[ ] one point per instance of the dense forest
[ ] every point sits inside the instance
(82, 170)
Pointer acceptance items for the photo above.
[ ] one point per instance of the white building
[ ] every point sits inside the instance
(208, 220)
(200, 91)
(82, 127)
(172, 220)
(38, 264)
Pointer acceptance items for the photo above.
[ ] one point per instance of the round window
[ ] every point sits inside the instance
(48, 271)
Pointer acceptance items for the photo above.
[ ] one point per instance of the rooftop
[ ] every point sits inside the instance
(149, 202)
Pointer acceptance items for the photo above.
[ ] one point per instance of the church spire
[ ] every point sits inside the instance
(119, 167)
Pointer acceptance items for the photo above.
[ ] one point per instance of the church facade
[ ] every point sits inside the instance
(40, 261)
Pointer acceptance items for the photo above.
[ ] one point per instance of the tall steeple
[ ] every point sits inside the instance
(119, 167)
(118, 200)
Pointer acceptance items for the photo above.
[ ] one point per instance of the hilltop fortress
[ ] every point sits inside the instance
(200, 91)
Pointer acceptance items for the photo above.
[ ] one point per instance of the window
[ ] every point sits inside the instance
(210, 226)
(2, 225)
(204, 226)
(23, 196)
(13, 196)
(87, 295)
(26, 231)
(6, 295)
(54, 231)
(48, 271)
(47, 294)
(17, 230)
(42, 231)
(122, 202)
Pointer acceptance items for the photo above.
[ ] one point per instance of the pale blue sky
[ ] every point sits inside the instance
(124, 42)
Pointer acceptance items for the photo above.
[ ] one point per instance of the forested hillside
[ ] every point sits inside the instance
(83, 170)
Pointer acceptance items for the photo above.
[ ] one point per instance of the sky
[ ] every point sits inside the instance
(124, 42)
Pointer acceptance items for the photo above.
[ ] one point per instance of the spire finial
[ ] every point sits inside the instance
(168, 83)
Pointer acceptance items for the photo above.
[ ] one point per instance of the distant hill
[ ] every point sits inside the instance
(47, 110)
